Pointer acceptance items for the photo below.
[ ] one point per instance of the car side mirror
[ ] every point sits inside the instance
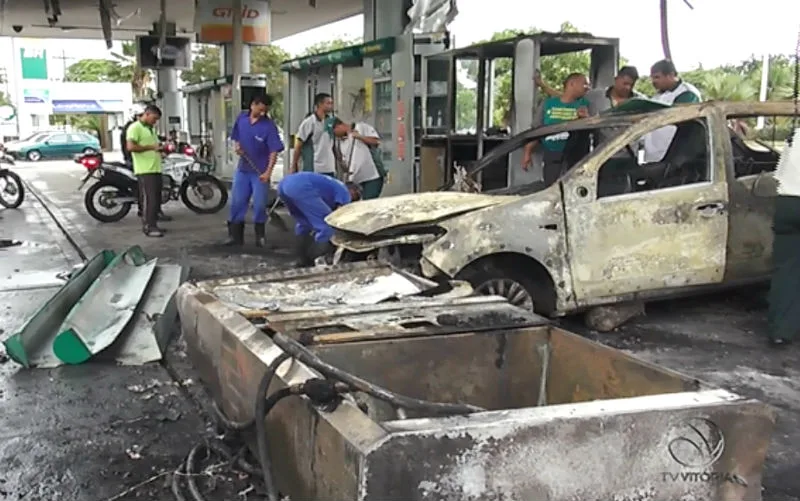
(765, 185)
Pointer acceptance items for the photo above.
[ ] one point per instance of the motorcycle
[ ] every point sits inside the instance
(10, 183)
(117, 188)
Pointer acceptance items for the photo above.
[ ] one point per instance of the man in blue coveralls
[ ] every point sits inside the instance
(310, 197)
(257, 143)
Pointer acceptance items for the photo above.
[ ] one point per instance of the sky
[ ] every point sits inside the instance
(713, 33)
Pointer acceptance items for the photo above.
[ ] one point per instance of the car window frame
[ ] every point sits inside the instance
(621, 120)
(51, 138)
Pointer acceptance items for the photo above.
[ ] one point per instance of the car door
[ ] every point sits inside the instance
(665, 228)
(56, 145)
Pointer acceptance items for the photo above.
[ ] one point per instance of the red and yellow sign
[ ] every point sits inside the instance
(214, 22)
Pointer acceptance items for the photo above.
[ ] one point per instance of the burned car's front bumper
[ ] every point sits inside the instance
(404, 251)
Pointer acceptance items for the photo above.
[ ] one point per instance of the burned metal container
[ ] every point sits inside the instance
(566, 419)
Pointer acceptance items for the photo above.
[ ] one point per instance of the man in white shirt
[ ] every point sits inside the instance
(784, 293)
(356, 143)
(670, 89)
(314, 139)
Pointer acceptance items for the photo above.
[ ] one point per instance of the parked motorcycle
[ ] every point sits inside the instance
(12, 191)
(184, 176)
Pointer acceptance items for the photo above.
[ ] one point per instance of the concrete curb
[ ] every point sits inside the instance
(66, 227)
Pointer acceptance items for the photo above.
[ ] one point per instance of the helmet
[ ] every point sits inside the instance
(137, 110)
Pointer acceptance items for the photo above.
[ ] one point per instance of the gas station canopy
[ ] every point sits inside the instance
(81, 18)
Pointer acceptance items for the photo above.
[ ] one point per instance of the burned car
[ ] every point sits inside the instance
(611, 229)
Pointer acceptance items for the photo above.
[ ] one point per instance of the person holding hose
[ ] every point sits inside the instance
(359, 144)
(257, 142)
(310, 197)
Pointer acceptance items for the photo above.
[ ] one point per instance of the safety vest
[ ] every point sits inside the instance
(657, 142)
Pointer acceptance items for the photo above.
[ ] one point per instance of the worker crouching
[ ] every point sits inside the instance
(309, 198)
(257, 142)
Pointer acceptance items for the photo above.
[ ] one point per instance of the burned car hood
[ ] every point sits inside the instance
(372, 216)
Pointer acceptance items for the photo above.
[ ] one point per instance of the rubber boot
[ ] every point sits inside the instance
(301, 251)
(261, 239)
(235, 235)
(320, 250)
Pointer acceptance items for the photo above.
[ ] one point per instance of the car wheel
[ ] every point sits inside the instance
(33, 156)
(520, 290)
(89, 151)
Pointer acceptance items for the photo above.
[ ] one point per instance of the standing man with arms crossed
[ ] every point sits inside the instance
(571, 105)
(142, 142)
(257, 142)
(356, 145)
(670, 90)
(314, 140)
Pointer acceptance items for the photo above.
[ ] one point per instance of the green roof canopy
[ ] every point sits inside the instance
(354, 53)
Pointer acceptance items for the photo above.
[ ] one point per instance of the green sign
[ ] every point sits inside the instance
(34, 63)
(350, 54)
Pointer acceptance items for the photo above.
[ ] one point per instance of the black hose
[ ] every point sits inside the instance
(259, 416)
(302, 354)
(228, 423)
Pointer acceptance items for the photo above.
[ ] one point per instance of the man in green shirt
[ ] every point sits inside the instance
(571, 105)
(142, 142)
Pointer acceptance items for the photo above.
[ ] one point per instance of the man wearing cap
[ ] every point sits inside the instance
(257, 142)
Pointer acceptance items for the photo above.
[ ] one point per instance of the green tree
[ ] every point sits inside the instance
(97, 70)
(205, 65)
(267, 60)
(329, 45)
(106, 70)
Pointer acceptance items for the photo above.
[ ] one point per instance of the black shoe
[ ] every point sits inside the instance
(261, 239)
(779, 342)
(235, 235)
(321, 250)
(164, 218)
(153, 231)
(302, 245)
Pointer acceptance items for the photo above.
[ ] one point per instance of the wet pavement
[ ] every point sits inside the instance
(91, 432)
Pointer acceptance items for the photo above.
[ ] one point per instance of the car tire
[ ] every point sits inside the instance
(491, 279)
(89, 151)
(33, 156)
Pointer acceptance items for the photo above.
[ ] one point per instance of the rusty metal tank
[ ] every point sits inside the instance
(566, 419)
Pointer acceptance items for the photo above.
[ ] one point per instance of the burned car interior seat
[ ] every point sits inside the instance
(748, 161)
(685, 162)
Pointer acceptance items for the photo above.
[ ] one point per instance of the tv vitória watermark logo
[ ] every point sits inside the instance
(696, 445)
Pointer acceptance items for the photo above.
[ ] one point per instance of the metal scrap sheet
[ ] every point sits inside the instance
(317, 288)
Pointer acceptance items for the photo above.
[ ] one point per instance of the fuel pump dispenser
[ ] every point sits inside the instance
(210, 117)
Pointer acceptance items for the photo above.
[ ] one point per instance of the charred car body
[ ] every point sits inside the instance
(610, 230)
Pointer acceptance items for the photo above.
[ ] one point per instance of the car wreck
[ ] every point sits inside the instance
(611, 230)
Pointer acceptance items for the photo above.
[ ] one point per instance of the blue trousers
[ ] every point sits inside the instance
(308, 210)
(245, 185)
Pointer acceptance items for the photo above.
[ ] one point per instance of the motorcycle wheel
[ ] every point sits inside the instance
(89, 202)
(13, 186)
(215, 185)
